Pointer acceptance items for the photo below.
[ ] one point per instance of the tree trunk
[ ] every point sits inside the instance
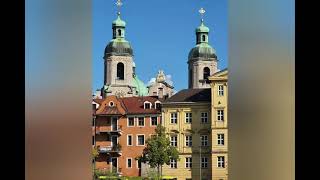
(161, 171)
(158, 172)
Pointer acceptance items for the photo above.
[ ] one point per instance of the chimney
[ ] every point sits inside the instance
(160, 95)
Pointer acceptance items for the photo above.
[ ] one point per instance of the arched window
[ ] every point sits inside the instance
(206, 73)
(203, 37)
(119, 32)
(120, 71)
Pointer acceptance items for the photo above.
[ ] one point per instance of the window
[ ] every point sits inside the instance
(204, 162)
(188, 162)
(220, 90)
(220, 115)
(174, 141)
(139, 164)
(221, 161)
(141, 121)
(204, 140)
(129, 140)
(120, 71)
(129, 163)
(130, 121)
(140, 140)
(154, 121)
(111, 104)
(188, 117)
(188, 141)
(119, 32)
(158, 105)
(206, 73)
(174, 118)
(147, 105)
(173, 163)
(220, 139)
(203, 37)
(204, 117)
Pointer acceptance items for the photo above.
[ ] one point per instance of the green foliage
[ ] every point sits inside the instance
(95, 152)
(104, 172)
(158, 150)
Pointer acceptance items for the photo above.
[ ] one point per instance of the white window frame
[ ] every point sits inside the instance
(188, 141)
(176, 140)
(188, 119)
(133, 121)
(144, 121)
(206, 162)
(220, 90)
(221, 162)
(151, 120)
(127, 163)
(172, 118)
(204, 117)
(204, 140)
(173, 164)
(220, 116)
(144, 139)
(188, 164)
(144, 105)
(128, 139)
(220, 139)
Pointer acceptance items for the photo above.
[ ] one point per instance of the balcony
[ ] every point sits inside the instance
(110, 149)
(109, 129)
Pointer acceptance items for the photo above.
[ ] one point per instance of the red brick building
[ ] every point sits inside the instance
(121, 128)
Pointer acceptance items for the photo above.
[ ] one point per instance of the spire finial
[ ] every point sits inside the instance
(119, 4)
(202, 11)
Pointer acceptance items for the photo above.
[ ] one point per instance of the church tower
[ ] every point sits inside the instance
(202, 60)
(119, 68)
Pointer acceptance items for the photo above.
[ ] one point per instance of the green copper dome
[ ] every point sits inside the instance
(202, 50)
(118, 22)
(202, 28)
(140, 87)
(118, 47)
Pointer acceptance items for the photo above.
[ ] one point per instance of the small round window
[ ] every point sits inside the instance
(111, 104)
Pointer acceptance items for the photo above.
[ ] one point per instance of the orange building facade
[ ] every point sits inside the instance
(121, 127)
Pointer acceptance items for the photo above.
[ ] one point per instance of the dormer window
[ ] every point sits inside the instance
(147, 105)
(111, 104)
(157, 105)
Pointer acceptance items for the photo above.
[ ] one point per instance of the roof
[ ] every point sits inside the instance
(135, 105)
(110, 111)
(191, 95)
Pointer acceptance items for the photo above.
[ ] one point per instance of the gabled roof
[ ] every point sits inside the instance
(135, 105)
(191, 95)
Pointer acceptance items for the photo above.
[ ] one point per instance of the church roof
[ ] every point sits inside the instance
(202, 50)
(118, 47)
(140, 86)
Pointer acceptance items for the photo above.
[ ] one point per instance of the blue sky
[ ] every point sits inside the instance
(161, 33)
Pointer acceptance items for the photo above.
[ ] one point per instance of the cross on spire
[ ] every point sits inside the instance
(202, 11)
(119, 4)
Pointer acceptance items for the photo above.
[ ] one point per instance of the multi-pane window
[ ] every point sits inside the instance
(174, 118)
(220, 139)
(204, 140)
(129, 163)
(141, 121)
(204, 162)
(140, 140)
(129, 140)
(154, 121)
(204, 117)
(221, 162)
(188, 140)
(158, 105)
(188, 117)
(147, 105)
(131, 121)
(220, 90)
(174, 141)
(188, 162)
(220, 115)
(173, 163)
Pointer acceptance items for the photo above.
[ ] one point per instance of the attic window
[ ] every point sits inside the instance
(111, 104)
(147, 105)
(157, 104)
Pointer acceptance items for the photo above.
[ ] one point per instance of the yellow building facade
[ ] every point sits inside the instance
(196, 123)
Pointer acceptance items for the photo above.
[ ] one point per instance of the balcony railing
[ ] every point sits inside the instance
(109, 149)
(108, 129)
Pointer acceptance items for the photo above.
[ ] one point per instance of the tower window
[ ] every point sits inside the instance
(206, 73)
(119, 32)
(203, 37)
(120, 71)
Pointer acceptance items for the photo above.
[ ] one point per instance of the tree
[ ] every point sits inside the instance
(158, 151)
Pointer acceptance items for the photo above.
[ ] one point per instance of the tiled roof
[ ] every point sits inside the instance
(191, 95)
(110, 111)
(135, 105)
